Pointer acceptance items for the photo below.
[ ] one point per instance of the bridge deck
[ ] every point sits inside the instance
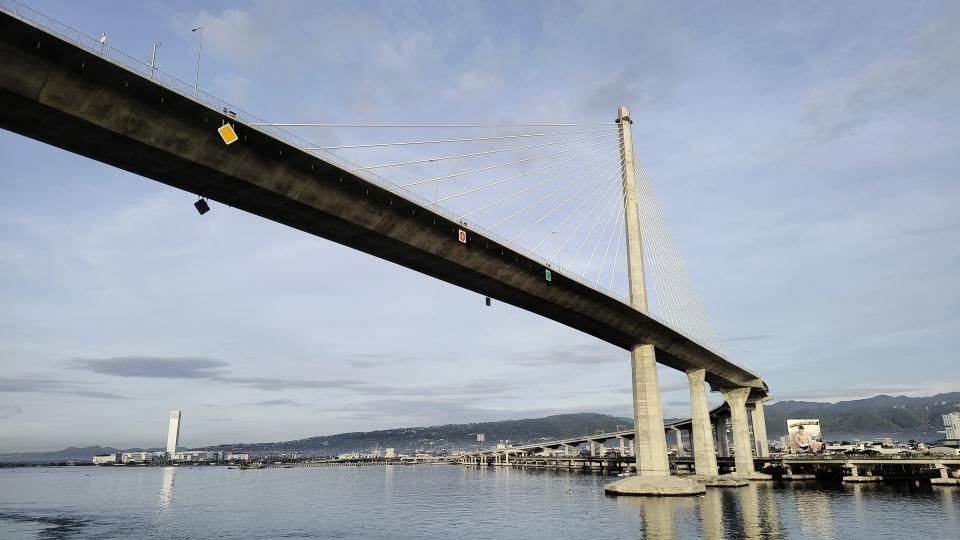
(72, 97)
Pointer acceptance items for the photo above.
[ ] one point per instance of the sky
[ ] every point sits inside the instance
(805, 156)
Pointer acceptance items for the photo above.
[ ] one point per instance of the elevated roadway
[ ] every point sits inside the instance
(721, 411)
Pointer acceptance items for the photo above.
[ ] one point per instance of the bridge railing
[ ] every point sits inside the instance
(189, 91)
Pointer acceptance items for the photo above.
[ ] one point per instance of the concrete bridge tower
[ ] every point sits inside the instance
(653, 470)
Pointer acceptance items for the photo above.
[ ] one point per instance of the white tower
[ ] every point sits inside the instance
(173, 432)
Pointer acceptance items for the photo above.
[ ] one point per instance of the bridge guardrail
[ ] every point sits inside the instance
(144, 69)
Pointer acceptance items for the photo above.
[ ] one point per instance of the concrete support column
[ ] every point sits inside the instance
(723, 445)
(678, 440)
(759, 429)
(701, 439)
(621, 446)
(743, 453)
(650, 441)
(506, 458)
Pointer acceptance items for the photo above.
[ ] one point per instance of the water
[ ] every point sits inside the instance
(443, 502)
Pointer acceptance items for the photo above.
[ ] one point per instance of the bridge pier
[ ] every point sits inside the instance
(701, 436)
(856, 478)
(678, 441)
(704, 457)
(723, 444)
(790, 475)
(947, 477)
(742, 449)
(759, 428)
(650, 441)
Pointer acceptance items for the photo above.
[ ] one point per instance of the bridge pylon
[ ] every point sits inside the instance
(650, 447)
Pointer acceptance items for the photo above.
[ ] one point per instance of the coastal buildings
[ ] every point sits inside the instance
(107, 459)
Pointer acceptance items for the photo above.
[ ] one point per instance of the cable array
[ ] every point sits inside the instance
(531, 185)
(558, 193)
(676, 297)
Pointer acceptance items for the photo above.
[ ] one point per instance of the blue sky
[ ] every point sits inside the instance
(805, 156)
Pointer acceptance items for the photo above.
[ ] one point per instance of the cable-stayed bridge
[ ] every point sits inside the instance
(552, 217)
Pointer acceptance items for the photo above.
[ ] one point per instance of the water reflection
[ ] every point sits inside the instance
(711, 514)
(166, 490)
(816, 515)
(750, 512)
(388, 473)
(770, 522)
(947, 495)
(659, 514)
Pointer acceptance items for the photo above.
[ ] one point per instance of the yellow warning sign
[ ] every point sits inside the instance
(227, 134)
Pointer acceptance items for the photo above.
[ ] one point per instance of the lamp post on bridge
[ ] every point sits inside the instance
(153, 58)
(650, 441)
(196, 79)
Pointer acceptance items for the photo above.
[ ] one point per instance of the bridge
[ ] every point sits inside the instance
(624, 439)
(69, 90)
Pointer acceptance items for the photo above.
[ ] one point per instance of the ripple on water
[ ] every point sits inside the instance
(442, 502)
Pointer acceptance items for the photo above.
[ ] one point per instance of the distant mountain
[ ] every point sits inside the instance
(72, 453)
(900, 417)
(443, 438)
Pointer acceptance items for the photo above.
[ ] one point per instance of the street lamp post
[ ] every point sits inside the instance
(153, 58)
(196, 80)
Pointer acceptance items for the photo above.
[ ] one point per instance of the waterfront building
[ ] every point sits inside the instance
(390, 453)
(106, 459)
(196, 456)
(141, 457)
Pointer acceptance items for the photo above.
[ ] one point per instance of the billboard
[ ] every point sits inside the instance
(804, 436)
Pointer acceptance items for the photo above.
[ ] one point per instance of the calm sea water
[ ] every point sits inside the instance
(443, 502)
